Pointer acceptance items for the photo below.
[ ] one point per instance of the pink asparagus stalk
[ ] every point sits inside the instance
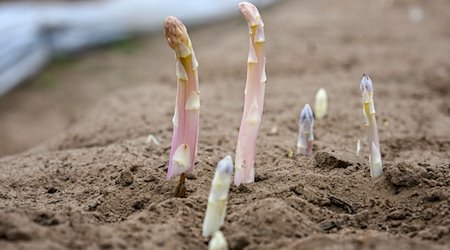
(376, 167)
(254, 96)
(187, 107)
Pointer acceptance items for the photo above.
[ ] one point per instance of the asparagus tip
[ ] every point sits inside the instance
(305, 133)
(321, 104)
(225, 165)
(177, 36)
(250, 13)
(307, 114)
(366, 83)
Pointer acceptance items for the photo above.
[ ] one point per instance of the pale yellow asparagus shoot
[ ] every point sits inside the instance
(218, 197)
(376, 166)
(254, 96)
(321, 104)
(358, 147)
(187, 108)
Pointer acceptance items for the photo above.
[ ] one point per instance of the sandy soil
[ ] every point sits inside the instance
(97, 184)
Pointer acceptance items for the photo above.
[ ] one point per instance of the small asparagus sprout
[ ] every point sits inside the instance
(358, 147)
(218, 197)
(254, 96)
(218, 242)
(321, 104)
(186, 117)
(151, 139)
(376, 168)
(305, 131)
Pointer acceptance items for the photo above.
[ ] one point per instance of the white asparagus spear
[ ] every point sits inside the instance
(218, 197)
(305, 131)
(376, 166)
(321, 104)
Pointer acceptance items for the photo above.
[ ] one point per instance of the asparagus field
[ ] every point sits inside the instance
(92, 150)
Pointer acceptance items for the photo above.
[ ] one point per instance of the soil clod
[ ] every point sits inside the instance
(140, 204)
(325, 159)
(405, 174)
(125, 178)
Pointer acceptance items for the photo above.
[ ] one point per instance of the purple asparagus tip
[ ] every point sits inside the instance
(366, 83)
(306, 115)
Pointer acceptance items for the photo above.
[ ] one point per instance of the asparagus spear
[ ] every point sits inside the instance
(376, 167)
(305, 131)
(254, 96)
(187, 107)
(218, 197)
(321, 104)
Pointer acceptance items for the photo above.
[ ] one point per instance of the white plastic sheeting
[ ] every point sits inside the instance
(32, 32)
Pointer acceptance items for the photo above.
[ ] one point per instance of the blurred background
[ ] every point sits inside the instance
(42, 41)
(59, 58)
